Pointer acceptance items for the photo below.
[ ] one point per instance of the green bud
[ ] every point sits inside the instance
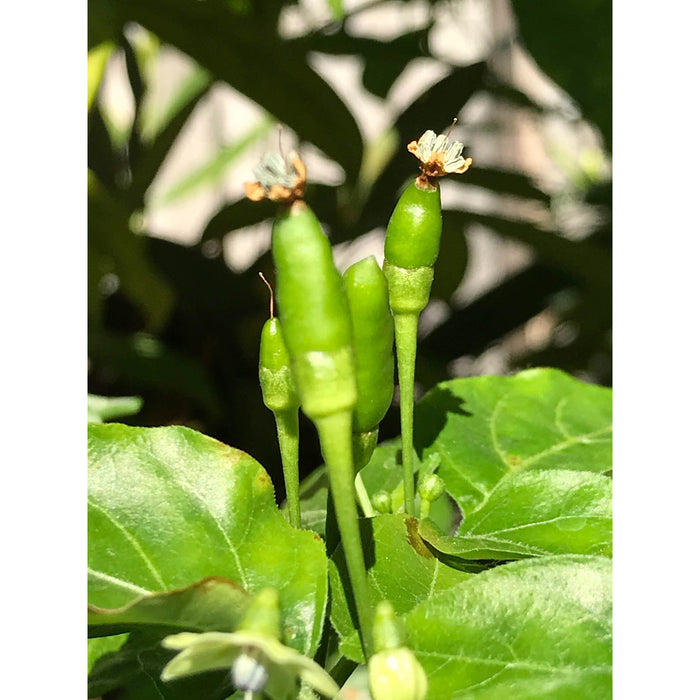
(387, 632)
(381, 502)
(396, 674)
(263, 615)
(431, 487)
(314, 314)
(275, 371)
(373, 341)
(413, 233)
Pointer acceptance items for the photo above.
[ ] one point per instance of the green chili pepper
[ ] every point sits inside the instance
(280, 396)
(317, 329)
(314, 314)
(410, 250)
(373, 341)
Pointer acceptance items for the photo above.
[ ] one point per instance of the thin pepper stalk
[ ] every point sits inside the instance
(315, 319)
(280, 396)
(411, 247)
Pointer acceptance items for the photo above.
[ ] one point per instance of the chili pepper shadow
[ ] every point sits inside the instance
(431, 416)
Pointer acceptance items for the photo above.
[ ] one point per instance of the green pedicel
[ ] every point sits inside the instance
(280, 396)
(373, 341)
(317, 328)
(411, 248)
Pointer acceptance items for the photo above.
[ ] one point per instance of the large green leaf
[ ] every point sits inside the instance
(484, 429)
(534, 513)
(247, 53)
(213, 604)
(539, 628)
(169, 507)
(401, 569)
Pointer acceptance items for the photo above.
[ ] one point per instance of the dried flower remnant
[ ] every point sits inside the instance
(438, 156)
(278, 180)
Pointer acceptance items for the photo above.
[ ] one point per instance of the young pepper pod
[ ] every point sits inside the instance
(373, 341)
(314, 314)
(280, 396)
(315, 319)
(410, 250)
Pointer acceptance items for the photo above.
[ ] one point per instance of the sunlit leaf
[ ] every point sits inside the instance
(539, 628)
(169, 507)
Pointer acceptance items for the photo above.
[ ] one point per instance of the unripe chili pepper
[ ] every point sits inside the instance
(314, 314)
(373, 341)
(411, 248)
(280, 396)
(317, 330)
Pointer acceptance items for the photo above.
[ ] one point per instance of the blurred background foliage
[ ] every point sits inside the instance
(184, 96)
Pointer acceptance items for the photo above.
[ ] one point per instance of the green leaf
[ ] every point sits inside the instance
(99, 646)
(97, 62)
(534, 513)
(211, 604)
(401, 570)
(133, 673)
(539, 628)
(169, 507)
(246, 52)
(313, 498)
(104, 408)
(484, 429)
(336, 8)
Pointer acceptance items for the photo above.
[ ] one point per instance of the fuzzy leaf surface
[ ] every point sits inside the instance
(169, 507)
(539, 628)
(486, 429)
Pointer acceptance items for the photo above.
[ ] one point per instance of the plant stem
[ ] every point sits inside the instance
(335, 435)
(406, 329)
(363, 497)
(288, 436)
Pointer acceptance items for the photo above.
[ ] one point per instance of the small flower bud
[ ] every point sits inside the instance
(396, 674)
(382, 502)
(431, 487)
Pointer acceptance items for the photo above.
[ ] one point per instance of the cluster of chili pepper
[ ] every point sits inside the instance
(331, 350)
